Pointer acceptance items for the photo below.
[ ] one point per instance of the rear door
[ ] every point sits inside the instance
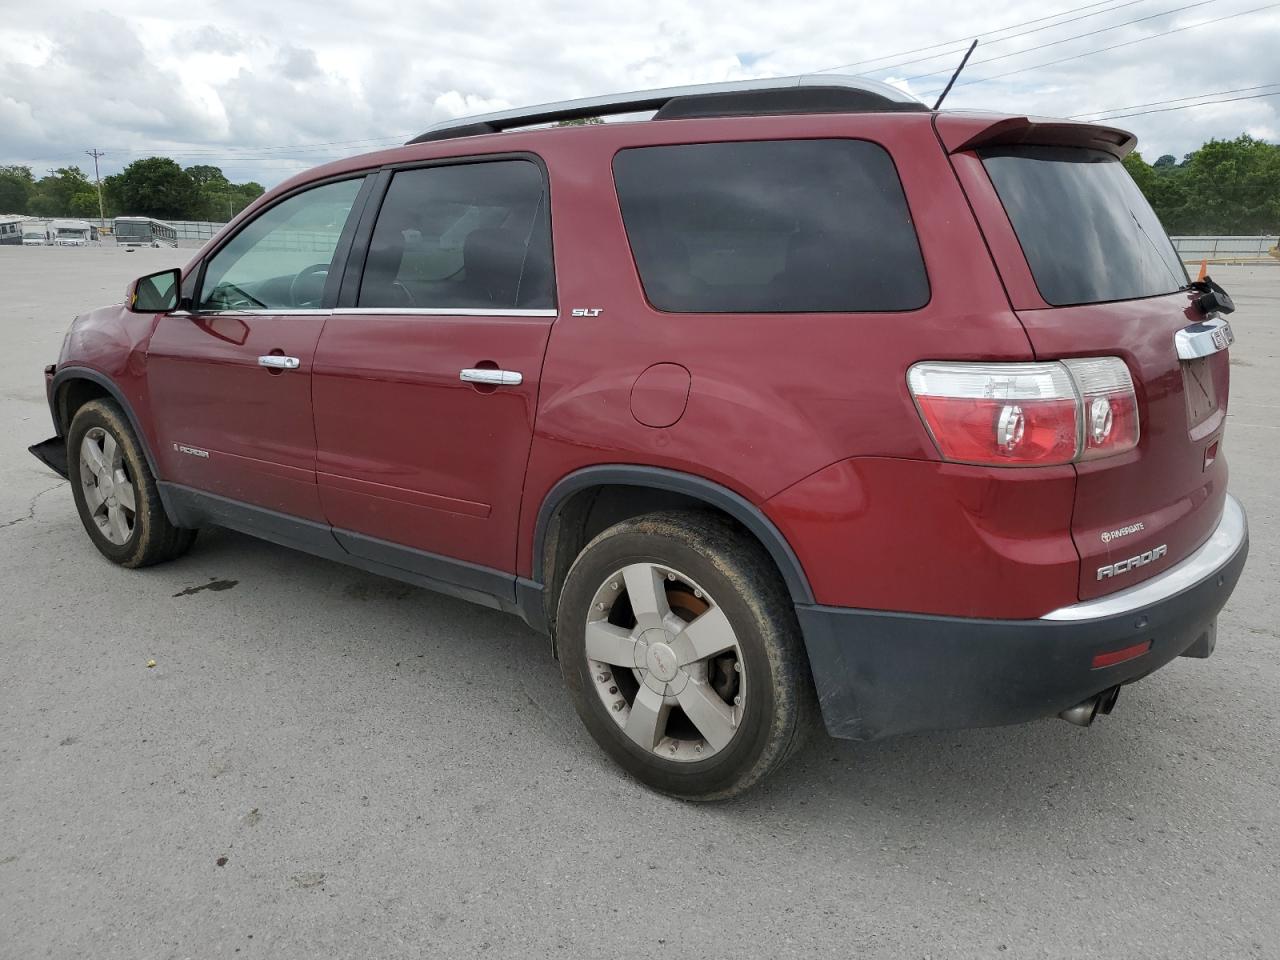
(427, 373)
(1091, 273)
(230, 380)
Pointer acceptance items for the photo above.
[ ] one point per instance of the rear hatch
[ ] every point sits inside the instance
(1091, 273)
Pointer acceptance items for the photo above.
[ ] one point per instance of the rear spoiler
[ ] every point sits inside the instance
(960, 131)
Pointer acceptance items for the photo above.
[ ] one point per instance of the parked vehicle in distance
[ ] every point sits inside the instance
(143, 232)
(814, 400)
(11, 230)
(72, 233)
(33, 238)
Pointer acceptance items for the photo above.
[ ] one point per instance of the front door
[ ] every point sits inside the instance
(426, 385)
(230, 380)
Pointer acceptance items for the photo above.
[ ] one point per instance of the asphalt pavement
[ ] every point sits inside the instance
(323, 763)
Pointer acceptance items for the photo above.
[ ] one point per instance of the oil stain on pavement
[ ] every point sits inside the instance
(213, 584)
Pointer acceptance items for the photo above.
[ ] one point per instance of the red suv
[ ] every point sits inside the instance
(798, 395)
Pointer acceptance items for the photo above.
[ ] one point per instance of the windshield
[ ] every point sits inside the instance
(1087, 231)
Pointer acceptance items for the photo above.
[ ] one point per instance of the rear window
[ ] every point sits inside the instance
(1088, 233)
(778, 226)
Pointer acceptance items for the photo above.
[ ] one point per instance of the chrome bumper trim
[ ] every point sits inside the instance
(1213, 554)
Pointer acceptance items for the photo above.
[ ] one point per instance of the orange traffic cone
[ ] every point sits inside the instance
(1204, 270)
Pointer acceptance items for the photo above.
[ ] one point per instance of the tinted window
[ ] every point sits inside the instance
(129, 229)
(1088, 233)
(475, 235)
(785, 226)
(281, 259)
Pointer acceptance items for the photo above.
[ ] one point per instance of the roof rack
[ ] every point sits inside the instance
(812, 93)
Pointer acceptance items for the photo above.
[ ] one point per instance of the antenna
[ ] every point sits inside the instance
(947, 88)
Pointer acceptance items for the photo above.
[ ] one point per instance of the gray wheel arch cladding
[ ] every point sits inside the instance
(69, 373)
(699, 488)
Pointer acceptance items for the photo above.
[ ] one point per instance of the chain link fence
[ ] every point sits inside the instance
(1226, 249)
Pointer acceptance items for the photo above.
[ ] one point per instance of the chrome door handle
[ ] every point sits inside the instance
(494, 378)
(279, 363)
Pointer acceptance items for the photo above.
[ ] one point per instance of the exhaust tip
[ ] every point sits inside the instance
(1084, 713)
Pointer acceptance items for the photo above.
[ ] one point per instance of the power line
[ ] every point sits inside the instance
(1188, 106)
(1114, 46)
(1156, 103)
(1078, 36)
(1012, 26)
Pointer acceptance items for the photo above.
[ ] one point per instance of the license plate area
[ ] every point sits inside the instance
(1199, 389)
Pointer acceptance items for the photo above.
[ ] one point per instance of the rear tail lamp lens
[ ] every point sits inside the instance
(1110, 406)
(1027, 414)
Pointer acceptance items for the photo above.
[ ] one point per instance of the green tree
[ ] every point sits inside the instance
(1143, 174)
(244, 194)
(16, 185)
(1235, 186)
(213, 193)
(1225, 187)
(154, 187)
(580, 122)
(84, 204)
(53, 195)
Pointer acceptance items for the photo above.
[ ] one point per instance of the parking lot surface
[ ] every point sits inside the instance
(322, 763)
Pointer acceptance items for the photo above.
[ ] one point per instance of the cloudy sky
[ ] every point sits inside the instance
(265, 89)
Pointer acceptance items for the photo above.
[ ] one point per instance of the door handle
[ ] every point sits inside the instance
(494, 378)
(277, 362)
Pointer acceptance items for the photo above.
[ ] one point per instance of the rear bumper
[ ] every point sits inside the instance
(878, 674)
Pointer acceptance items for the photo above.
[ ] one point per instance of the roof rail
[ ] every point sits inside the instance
(822, 93)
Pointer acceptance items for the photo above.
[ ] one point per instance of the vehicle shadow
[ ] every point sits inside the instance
(1032, 777)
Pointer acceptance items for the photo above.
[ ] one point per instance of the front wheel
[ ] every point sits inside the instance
(680, 648)
(115, 493)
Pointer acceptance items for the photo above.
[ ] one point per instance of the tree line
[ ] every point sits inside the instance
(153, 187)
(1225, 187)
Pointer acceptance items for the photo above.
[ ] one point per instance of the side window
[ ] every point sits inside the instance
(281, 259)
(466, 236)
(777, 226)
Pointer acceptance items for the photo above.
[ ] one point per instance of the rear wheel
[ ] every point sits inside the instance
(116, 495)
(681, 650)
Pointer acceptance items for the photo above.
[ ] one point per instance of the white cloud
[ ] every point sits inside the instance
(263, 90)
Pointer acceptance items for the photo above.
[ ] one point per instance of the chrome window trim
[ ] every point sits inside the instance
(450, 311)
(1212, 555)
(384, 311)
(1203, 339)
(277, 312)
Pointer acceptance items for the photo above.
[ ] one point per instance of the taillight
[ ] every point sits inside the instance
(1110, 408)
(1027, 414)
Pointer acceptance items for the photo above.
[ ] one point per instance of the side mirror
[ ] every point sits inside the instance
(155, 293)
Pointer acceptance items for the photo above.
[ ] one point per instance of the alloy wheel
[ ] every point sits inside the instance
(665, 662)
(108, 489)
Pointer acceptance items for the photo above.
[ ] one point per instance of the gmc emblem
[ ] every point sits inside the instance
(1141, 560)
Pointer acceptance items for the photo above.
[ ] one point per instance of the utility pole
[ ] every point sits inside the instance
(102, 217)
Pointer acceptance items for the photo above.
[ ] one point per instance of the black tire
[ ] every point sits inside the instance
(778, 702)
(152, 538)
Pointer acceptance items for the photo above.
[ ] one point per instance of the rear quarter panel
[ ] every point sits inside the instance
(774, 398)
